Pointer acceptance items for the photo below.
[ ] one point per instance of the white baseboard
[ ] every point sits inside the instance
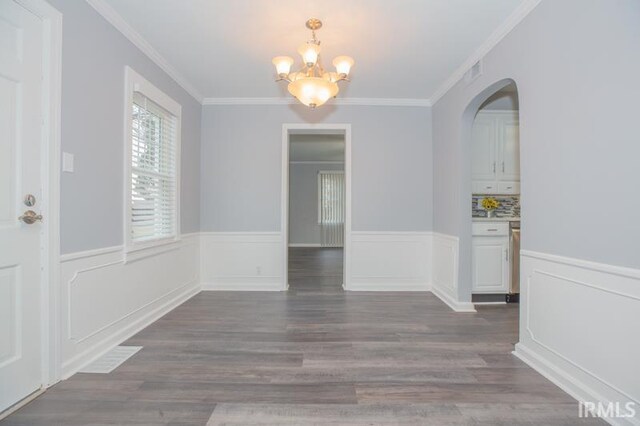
(445, 272)
(153, 312)
(388, 285)
(106, 299)
(452, 303)
(578, 327)
(250, 284)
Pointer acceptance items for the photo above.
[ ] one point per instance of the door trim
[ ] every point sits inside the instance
(287, 130)
(50, 174)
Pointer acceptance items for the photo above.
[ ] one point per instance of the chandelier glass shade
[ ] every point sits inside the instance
(312, 85)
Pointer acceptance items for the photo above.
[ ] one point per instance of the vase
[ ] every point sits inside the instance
(491, 213)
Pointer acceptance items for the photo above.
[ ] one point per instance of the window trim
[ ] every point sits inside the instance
(134, 82)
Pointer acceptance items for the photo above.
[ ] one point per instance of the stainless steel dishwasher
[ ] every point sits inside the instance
(514, 242)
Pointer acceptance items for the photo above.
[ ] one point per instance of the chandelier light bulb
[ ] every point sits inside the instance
(309, 52)
(343, 64)
(283, 65)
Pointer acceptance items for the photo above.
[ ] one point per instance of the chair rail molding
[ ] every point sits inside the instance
(98, 316)
(586, 348)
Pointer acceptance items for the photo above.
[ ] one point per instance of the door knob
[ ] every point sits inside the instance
(30, 217)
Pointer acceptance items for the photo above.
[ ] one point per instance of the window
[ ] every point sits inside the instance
(153, 135)
(331, 207)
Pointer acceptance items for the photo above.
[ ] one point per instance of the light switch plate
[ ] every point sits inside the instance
(67, 162)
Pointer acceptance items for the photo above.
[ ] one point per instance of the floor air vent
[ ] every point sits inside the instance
(111, 360)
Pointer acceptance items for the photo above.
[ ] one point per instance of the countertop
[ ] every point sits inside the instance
(495, 219)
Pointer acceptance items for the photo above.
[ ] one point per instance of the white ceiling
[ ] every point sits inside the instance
(316, 147)
(404, 49)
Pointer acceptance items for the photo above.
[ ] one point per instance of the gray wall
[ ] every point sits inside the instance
(241, 165)
(303, 202)
(578, 90)
(94, 55)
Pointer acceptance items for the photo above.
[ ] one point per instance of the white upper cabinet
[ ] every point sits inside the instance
(483, 166)
(509, 148)
(495, 157)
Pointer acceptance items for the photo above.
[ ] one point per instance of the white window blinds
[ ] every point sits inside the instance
(153, 171)
(331, 209)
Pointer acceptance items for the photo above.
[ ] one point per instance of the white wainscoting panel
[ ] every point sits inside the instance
(105, 299)
(390, 261)
(445, 272)
(579, 327)
(241, 261)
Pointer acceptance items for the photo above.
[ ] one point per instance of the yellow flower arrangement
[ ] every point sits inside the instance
(490, 203)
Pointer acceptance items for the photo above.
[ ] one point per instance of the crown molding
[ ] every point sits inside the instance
(390, 102)
(114, 18)
(496, 36)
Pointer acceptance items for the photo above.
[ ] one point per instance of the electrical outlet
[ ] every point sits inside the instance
(258, 270)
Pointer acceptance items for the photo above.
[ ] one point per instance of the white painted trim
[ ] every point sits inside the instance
(386, 286)
(242, 261)
(134, 82)
(50, 174)
(224, 234)
(316, 162)
(162, 307)
(242, 284)
(389, 102)
(496, 36)
(90, 253)
(453, 304)
(559, 353)
(303, 245)
(114, 18)
(287, 128)
(567, 382)
(584, 264)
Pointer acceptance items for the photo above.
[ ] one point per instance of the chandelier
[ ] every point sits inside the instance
(312, 85)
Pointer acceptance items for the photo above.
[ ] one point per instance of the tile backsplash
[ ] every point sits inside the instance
(509, 205)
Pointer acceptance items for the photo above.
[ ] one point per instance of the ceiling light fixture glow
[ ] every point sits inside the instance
(312, 85)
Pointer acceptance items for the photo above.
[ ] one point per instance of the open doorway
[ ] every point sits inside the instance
(495, 199)
(316, 207)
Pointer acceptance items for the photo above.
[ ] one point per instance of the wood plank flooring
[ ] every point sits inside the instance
(314, 355)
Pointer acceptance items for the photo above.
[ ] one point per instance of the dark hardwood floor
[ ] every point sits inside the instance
(314, 355)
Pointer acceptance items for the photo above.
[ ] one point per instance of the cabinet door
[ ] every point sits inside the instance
(483, 149)
(490, 263)
(509, 149)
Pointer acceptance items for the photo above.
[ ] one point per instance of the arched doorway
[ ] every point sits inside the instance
(490, 169)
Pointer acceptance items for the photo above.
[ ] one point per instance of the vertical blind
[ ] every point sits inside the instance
(331, 211)
(153, 171)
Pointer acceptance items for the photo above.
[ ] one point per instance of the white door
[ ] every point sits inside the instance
(490, 265)
(510, 149)
(483, 149)
(20, 162)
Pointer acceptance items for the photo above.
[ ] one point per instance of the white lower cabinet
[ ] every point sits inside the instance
(490, 264)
